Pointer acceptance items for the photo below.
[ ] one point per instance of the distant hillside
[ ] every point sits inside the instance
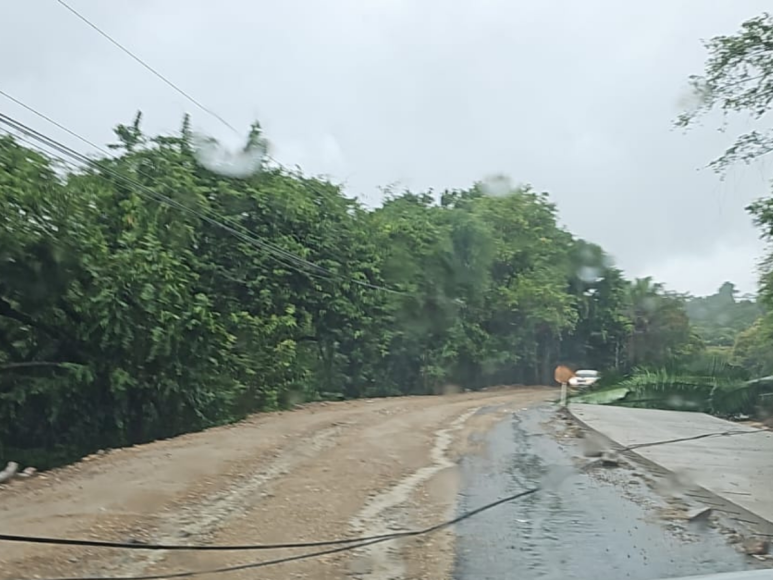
(719, 318)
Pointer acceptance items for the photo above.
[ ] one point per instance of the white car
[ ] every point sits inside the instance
(584, 379)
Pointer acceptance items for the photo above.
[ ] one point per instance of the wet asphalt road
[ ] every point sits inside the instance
(580, 526)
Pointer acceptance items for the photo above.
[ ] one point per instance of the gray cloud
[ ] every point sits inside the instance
(576, 98)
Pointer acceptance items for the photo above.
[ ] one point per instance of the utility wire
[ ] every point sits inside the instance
(158, 197)
(107, 153)
(283, 256)
(163, 78)
(70, 165)
(322, 272)
(53, 122)
(345, 541)
(147, 66)
(307, 555)
(200, 106)
(695, 438)
(293, 545)
(349, 544)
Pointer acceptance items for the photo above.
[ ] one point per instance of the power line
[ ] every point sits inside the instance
(245, 232)
(53, 122)
(162, 77)
(351, 543)
(198, 104)
(283, 256)
(255, 547)
(158, 197)
(360, 544)
(695, 438)
(147, 66)
(105, 152)
(45, 152)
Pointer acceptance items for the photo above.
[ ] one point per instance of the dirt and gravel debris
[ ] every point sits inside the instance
(320, 472)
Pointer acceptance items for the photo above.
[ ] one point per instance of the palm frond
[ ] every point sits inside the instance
(720, 392)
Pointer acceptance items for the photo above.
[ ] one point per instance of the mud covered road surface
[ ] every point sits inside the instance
(585, 524)
(323, 472)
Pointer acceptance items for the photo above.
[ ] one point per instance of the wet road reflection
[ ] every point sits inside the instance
(580, 526)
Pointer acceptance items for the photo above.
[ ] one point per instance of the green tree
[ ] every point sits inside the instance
(752, 349)
(661, 333)
(601, 335)
(719, 318)
(738, 80)
(152, 294)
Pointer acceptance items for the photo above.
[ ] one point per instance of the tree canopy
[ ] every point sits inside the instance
(738, 80)
(149, 294)
(719, 318)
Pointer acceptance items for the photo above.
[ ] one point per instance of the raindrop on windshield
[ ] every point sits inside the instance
(219, 159)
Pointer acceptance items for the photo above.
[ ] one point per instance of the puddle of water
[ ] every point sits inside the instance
(578, 526)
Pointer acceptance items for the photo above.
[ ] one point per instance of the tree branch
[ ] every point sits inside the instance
(7, 310)
(7, 345)
(30, 364)
(68, 343)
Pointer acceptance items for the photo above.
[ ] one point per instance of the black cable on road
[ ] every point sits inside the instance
(348, 544)
(362, 539)
(360, 543)
(730, 433)
(343, 541)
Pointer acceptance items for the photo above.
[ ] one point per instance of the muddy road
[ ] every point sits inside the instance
(366, 467)
(325, 471)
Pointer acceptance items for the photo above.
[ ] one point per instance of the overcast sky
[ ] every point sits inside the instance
(575, 98)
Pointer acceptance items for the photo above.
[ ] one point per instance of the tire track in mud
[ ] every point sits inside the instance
(383, 513)
(378, 463)
(196, 522)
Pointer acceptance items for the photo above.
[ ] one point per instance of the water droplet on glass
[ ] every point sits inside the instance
(497, 185)
(592, 445)
(589, 274)
(241, 162)
(555, 475)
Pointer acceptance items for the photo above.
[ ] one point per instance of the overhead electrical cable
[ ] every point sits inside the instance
(198, 104)
(145, 65)
(123, 48)
(283, 256)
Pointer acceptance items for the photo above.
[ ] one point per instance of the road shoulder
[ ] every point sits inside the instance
(730, 473)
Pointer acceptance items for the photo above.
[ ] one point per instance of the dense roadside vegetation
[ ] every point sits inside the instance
(123, 319)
